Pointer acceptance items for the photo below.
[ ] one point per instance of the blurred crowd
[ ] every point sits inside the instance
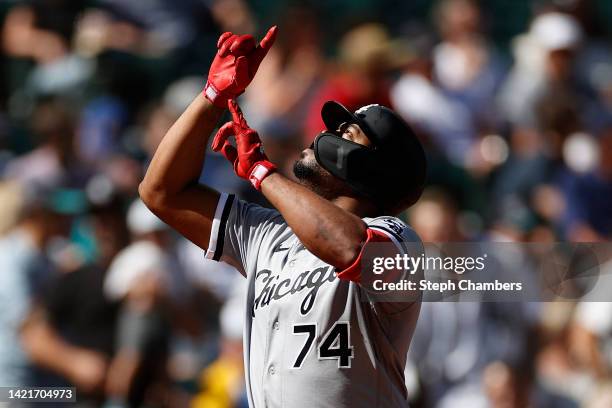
(513, 101)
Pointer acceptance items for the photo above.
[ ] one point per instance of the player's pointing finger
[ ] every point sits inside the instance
(237, 115)
(268, 40)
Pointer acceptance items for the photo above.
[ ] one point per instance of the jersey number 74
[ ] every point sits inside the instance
(336, 344)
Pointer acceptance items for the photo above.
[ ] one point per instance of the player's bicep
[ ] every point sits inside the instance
(190, 212)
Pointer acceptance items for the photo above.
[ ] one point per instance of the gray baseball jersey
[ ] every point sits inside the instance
(310, 340)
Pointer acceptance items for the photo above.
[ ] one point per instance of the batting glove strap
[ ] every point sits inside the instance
(259, 172)
(212, 94)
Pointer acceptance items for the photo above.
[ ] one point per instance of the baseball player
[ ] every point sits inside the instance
(310, 340)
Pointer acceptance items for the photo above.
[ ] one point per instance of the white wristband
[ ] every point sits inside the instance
(260, 171)
(210, 92)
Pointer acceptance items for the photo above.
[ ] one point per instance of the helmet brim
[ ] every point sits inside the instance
(334, 114)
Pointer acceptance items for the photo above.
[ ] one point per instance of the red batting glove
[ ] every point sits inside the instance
(248, 157)
(235, 65)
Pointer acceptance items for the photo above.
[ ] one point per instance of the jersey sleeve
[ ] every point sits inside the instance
(387, 237)
(238, 230)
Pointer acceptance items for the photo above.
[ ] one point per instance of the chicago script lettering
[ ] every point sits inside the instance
(274, 290)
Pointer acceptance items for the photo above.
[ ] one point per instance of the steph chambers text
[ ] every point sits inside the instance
(449, 285)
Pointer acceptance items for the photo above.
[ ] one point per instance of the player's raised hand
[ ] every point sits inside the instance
(235, 65)
(247, 157)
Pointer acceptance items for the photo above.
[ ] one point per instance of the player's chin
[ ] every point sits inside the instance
(306, 168)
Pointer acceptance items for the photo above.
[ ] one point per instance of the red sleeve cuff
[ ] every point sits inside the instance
(353, 272)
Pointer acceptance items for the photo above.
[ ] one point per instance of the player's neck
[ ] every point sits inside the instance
(359, 207)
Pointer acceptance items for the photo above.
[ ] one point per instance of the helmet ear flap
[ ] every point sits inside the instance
(351, 162)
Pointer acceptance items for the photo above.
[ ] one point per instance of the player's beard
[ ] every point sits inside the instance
(311, 175)
(307, 173)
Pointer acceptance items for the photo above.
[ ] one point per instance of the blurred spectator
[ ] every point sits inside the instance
(548, 118)
(418, 98)
(25, 270)
(71, 333)
(465, 65)
(146, 279)
(543, 59)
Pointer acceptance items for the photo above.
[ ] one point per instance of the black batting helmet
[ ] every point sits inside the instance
(391, 171)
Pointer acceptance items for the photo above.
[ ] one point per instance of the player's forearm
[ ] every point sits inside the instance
(329, 232)
(179, 159)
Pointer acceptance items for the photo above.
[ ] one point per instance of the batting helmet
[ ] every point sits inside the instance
(391, 171)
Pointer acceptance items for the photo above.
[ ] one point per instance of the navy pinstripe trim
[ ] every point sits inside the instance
(221, 237)
(395, 235)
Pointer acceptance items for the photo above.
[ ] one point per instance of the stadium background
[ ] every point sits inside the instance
(512, 98)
